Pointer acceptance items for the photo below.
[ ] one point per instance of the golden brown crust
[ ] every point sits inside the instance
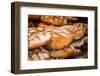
(77, 29)
(54, 20)
(71, 18)
(64, 53)
(60, 37)
(58, 41)
(38, 39)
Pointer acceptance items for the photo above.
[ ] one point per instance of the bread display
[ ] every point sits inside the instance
(57, 37)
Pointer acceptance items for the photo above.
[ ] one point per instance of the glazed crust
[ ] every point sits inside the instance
(59, 39)
(64, 35)
(54, 20)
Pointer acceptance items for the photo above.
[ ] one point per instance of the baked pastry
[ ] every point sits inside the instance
(54, 20)
(39, 54)
(80, 43)
(65, 53)
(71, 18)
(63, 36)
(38, 39)
(77, 29)
(60, 39)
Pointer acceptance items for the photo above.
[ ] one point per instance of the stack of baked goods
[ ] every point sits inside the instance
(57, 37)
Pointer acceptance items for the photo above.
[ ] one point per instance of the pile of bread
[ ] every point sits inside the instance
(57, 37)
